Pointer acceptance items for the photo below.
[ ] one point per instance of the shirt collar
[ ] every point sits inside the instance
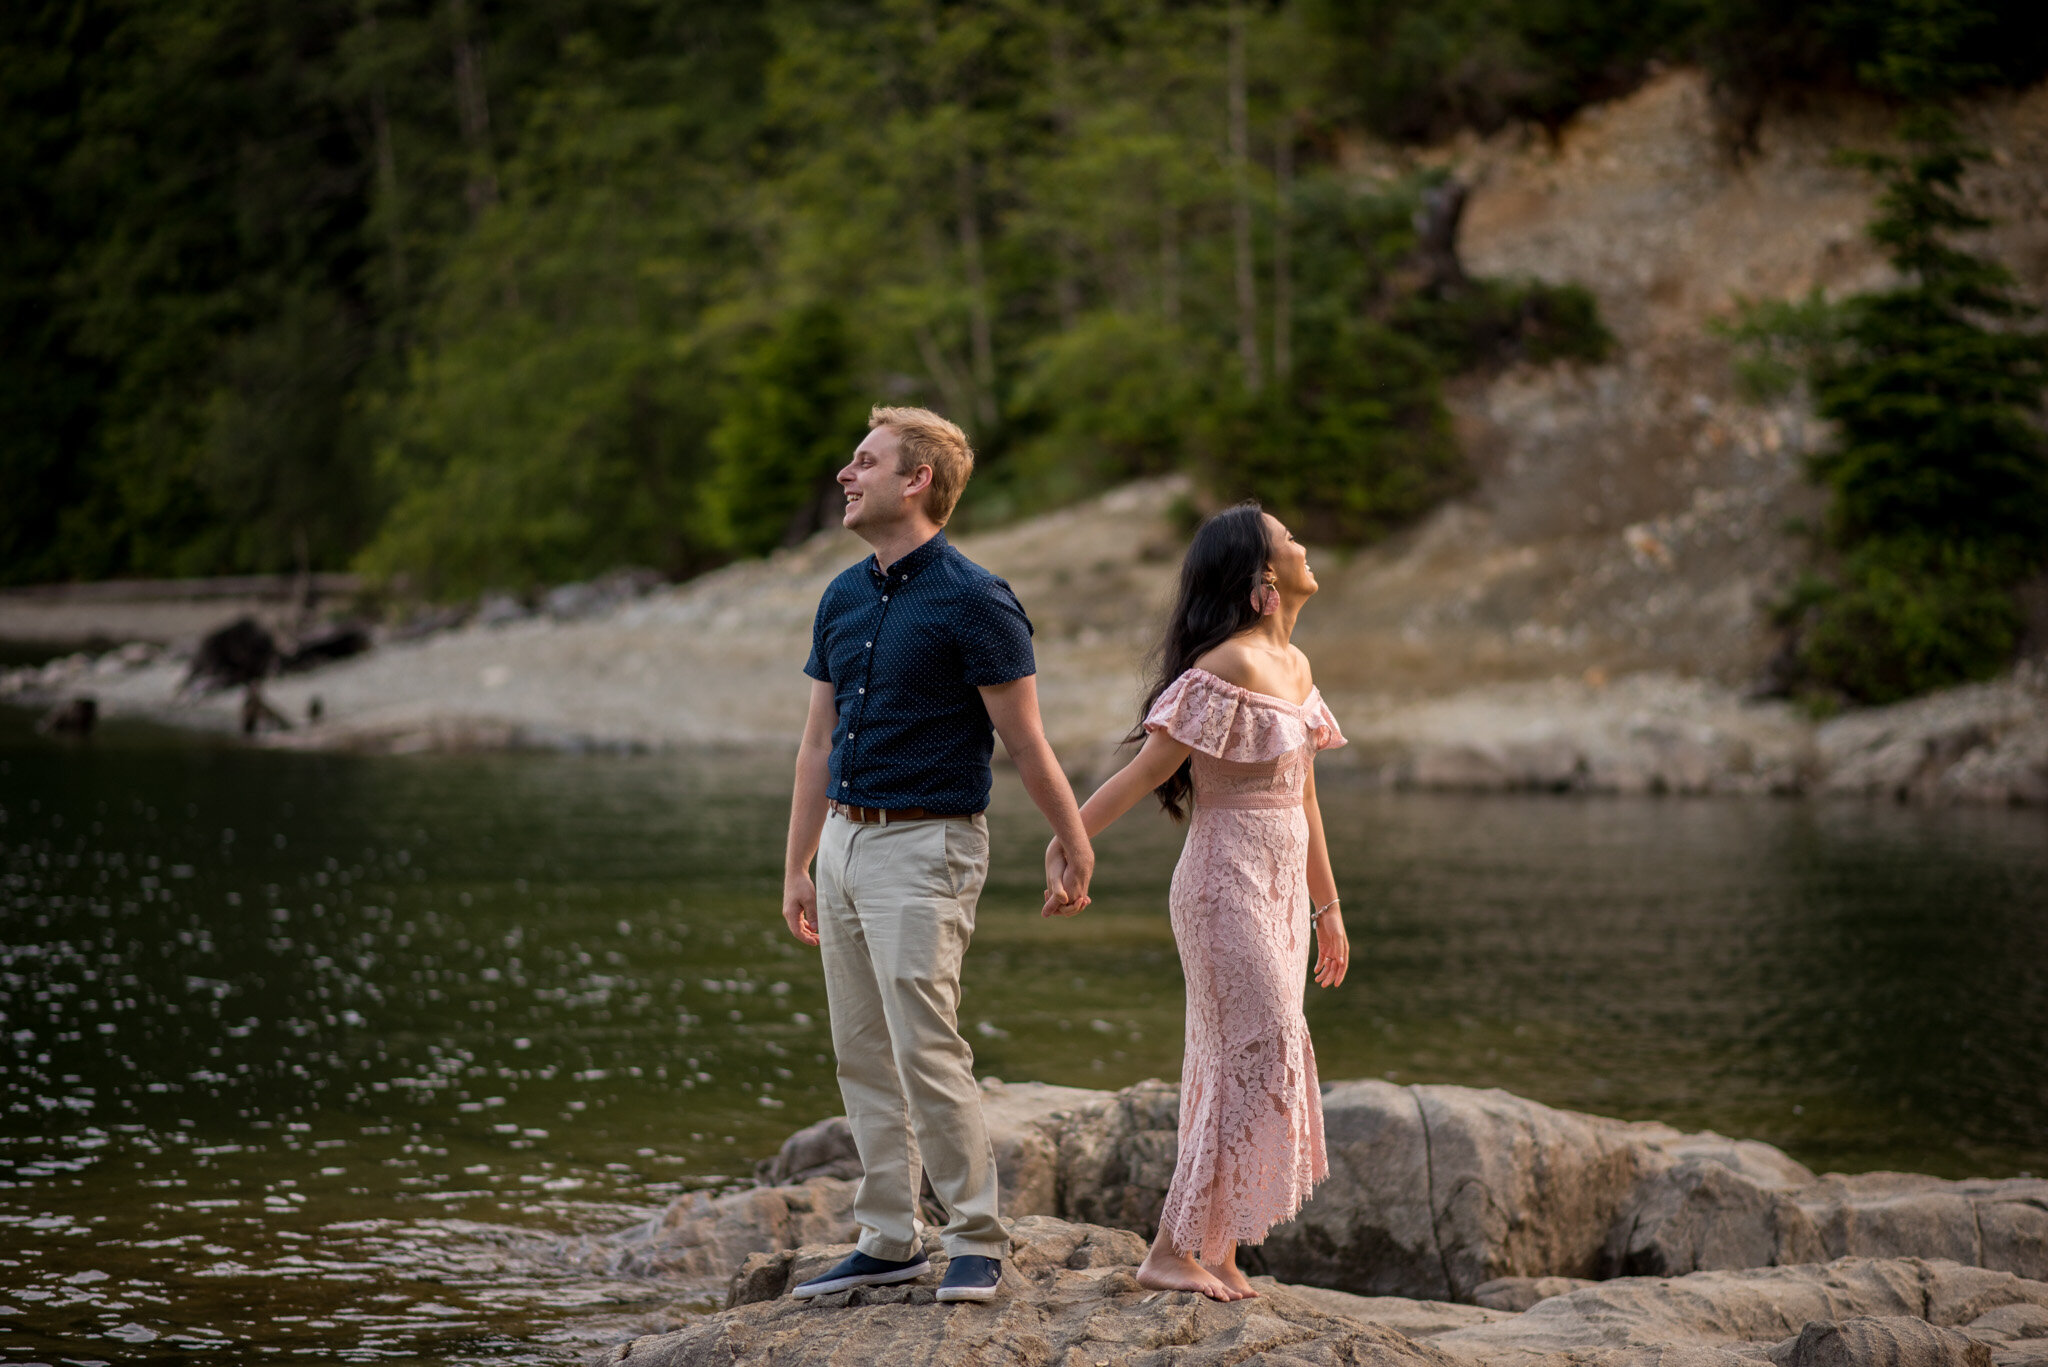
(919, 559)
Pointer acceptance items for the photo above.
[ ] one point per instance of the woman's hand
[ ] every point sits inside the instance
(1056, 873)
(1333, 949)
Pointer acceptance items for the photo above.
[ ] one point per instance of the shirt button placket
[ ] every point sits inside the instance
(861, 710)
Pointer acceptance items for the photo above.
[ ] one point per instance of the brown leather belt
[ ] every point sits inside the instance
(882, 816)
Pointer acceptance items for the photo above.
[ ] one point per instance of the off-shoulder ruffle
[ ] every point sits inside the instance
(1225, 721)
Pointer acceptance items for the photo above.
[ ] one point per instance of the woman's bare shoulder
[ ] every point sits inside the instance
(1230, 662)
(1259, 670)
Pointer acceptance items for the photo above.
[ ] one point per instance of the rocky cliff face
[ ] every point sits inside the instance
(1632, 516)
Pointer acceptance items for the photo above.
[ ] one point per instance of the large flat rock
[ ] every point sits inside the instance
(1069, 1297)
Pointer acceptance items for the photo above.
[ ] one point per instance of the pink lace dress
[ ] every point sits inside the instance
(1251, 1113)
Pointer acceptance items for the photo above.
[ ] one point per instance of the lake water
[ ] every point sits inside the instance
(322, 1056)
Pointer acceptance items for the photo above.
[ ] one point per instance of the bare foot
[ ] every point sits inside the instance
(1232, 1276)
(1170, 1272)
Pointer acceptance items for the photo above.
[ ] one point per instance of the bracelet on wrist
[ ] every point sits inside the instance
(1326, 908)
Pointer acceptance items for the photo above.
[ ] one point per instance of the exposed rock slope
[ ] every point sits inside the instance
(1069, 1297)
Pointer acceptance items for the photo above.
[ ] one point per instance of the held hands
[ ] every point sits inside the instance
(1066, 880)
(1333, 948)
(800, 907)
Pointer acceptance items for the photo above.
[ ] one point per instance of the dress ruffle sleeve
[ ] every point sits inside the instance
(1322, 724)
(1224, 721)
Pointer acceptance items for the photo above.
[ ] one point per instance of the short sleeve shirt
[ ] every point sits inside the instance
(905, 651)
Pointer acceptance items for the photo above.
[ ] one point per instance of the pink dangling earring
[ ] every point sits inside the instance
(1266, 597)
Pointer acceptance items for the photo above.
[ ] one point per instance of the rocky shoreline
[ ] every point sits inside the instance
(454, 691)
(1458, 1226)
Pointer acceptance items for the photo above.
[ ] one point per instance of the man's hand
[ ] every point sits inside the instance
(1066, 892)
(1013, 709)
(800, 907)
(807, 815)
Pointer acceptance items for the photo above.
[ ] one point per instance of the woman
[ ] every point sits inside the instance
(1234, 720)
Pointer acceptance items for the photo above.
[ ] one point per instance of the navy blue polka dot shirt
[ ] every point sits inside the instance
(904, 652)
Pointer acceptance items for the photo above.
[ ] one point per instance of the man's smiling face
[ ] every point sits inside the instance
(879, 495)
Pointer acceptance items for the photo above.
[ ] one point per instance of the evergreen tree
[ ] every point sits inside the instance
(1939, 466)
(791, 418)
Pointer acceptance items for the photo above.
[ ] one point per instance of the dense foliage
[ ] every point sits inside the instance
(1939, 464)
(492, 292)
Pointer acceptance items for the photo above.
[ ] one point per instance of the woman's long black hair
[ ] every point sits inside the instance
(1225, 565)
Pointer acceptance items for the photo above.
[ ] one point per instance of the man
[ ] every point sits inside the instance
(916, 654)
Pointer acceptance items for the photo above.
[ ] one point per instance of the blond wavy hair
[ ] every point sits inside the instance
(925, 438)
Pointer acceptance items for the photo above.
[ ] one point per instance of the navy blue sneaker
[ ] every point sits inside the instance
(971, 1278)
(858, 1269)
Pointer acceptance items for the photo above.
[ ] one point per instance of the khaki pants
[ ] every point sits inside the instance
(895, 913)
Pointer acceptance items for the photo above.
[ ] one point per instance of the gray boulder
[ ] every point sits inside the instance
(1982, 743)
(500, 609)
(1519, 1189)
(1516, 1294)
(1541, 758)
(1880, 1341)
(1701, 1215)
(1025, 1121)
(805, 1192)
(1116, 1157)
(821, 1150)
(1767, 1166)
(1737, 1317)
(703, 1235)
(1996, 1224)
(1027, 1124)
(1371, 1228)
(2011, 1324)
(1435, 1191)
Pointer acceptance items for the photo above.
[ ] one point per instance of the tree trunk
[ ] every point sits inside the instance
(1436, 237)
(1241, 204)
(390, 208)
(980, 335)
(1283, 282)
(953, 386)
(1169, 262)
(1066, 288)
(473, 111)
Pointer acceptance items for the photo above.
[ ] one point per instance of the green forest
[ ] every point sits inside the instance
(505, 292)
